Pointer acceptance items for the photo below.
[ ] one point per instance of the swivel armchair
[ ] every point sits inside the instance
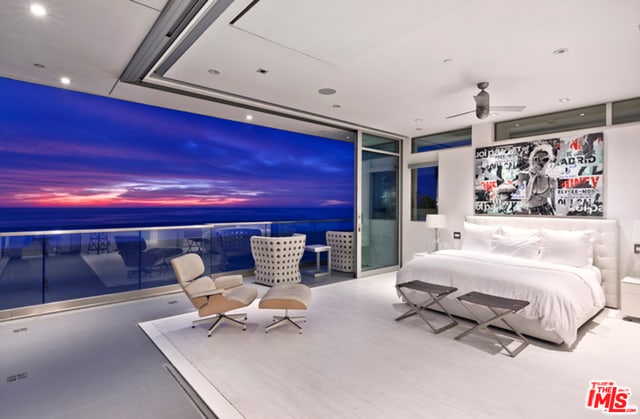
(212, 297)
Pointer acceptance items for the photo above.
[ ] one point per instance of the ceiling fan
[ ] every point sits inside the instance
(482, 104)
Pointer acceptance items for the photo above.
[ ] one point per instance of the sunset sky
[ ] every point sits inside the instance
(63, 148)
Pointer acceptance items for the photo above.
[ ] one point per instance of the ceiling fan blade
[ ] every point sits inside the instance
(507, 108)
(460, 114)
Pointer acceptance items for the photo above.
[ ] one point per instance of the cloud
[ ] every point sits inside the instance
(91, 150)
(333, 203)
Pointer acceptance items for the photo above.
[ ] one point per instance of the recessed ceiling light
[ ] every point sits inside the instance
(65, 80)
(249, 117)
(517, 125)
(37, 9)
(447, 60)
(337, 106)
(327, 91)
(417, 120)
(561, 51)
(213, 71)
(38, 65)
(564, 99)
(262, 71)
(493, 114)
(581, 114)
(418, 129)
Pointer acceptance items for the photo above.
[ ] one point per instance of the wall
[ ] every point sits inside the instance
(455, 188)
(622, 154)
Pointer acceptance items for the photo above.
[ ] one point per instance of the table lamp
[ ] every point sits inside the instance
(436, 221)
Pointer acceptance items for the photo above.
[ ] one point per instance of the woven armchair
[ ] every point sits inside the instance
(342, 252)
(277, 259)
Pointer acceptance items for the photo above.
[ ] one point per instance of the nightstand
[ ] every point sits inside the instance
(630, 292)
(420, 254)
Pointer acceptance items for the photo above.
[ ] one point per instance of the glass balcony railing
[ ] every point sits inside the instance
(54, 266)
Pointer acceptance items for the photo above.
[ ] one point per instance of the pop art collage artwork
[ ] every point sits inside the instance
(551, 177)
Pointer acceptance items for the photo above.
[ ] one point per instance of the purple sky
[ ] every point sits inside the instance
(64, 148)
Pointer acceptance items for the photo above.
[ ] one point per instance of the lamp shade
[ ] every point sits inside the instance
(635, 236)
(436, 221)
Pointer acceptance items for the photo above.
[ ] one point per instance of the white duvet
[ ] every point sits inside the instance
(559, 295)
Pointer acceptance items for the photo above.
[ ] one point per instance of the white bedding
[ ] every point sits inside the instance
(559, 295)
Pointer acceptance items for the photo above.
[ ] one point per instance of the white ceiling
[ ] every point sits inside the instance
(386, 60)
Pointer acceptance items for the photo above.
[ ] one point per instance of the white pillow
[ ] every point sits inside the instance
(525, 246)
(477, 238)
(519, 232)
(573, 248)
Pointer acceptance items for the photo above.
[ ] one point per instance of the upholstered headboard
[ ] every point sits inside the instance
(605, 247)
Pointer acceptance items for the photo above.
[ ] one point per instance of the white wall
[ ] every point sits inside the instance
(622, 187)
(415, 237)
(455, 187)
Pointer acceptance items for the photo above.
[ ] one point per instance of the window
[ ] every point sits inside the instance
(442, 140)
(424, 190)
(379, 143)
(625, 111)
(589, 117)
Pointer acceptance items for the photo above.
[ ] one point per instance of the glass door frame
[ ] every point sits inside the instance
(359, 150)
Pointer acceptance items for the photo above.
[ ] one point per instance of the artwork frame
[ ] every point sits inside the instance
(562, 176)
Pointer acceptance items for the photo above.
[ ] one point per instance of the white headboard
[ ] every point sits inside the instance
(605, 249)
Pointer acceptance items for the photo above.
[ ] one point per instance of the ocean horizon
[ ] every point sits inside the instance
(57, 218)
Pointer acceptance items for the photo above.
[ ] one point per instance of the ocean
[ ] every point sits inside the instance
(44, 219)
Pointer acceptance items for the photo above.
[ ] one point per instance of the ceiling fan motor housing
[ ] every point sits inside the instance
(482, 104)
(482, 113)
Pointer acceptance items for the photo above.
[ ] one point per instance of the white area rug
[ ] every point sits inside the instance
(354, 361)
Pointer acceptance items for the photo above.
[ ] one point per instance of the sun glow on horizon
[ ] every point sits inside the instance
(114, 199)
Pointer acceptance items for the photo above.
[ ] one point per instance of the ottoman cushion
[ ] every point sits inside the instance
(287, 296)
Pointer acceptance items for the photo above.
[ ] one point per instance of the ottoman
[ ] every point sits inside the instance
(286, 297)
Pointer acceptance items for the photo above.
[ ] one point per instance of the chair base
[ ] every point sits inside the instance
(219, 318)
(286, 319)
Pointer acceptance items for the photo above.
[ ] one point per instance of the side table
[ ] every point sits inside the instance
(630, 293)
(420, 254)
(318, 249)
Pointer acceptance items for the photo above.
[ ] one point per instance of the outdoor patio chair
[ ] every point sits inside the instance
(137, 256)
(277, 259)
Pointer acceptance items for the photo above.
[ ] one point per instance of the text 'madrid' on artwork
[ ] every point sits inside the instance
(551, 177)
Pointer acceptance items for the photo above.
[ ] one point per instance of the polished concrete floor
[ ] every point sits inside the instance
(352, 360)
(97, 362)
(92, 363)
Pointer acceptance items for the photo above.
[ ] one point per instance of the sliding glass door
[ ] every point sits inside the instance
(378, 204)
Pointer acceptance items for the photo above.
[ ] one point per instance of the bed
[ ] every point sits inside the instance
(566, 268)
